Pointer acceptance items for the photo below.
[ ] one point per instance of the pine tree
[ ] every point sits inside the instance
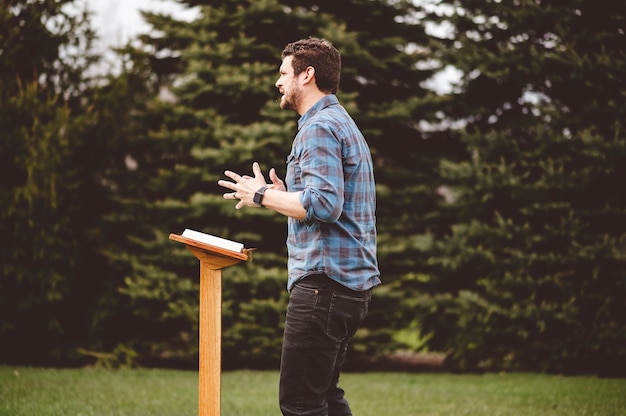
(45, 49)
(219, 72)
(532, 275)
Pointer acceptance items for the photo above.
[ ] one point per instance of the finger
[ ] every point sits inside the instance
(226, 184)
(273, 176)
(232, 175)
(256, 169)
(278, 183)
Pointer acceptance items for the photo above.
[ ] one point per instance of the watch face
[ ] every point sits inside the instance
(258, 196)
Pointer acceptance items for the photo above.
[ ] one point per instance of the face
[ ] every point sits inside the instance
(288, 86)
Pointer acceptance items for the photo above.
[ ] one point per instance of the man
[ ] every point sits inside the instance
(330, 202)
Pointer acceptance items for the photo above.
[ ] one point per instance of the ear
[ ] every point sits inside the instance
(309, 75)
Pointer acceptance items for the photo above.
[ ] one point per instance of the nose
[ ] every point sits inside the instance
(278, 82)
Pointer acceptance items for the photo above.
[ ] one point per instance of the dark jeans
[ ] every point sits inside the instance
(322, 316)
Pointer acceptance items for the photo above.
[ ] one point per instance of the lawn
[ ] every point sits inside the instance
(28, 391)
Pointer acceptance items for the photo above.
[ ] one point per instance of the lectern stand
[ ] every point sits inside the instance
(212, 261)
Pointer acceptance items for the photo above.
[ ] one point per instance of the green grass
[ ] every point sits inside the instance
(88, 392)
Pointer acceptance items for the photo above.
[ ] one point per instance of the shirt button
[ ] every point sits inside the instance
(317, 291)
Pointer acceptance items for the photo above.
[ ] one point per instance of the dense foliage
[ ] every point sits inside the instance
(219, 73)
(46, 186)
(502, 229)
(531, 275)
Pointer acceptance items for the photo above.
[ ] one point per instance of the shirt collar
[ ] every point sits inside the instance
(321, 104)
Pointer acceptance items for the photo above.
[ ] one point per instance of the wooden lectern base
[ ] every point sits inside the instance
(210, 341)
(212, 261)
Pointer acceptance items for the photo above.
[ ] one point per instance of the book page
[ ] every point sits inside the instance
(213, 240)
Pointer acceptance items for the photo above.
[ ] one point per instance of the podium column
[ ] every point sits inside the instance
(209, 402)
(212, 261)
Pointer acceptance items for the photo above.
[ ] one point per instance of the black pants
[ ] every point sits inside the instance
(322, 316)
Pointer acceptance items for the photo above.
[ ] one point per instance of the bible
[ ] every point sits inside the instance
(213, 240)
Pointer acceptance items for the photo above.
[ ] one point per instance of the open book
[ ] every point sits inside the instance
(213, 240)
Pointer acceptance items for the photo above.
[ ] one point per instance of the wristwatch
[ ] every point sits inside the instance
(258, 196)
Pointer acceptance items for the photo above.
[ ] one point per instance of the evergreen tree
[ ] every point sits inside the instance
(532, 274)
(219, 72)
(44, 48)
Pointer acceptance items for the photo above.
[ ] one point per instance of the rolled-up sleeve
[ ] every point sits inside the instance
(322, 174)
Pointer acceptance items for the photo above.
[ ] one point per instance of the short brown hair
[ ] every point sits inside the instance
(321, 55)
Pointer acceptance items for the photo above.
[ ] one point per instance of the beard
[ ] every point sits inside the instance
(291, 99)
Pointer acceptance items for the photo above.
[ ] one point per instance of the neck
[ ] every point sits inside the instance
(309, 101)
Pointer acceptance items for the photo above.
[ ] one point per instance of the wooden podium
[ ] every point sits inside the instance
(212, 260)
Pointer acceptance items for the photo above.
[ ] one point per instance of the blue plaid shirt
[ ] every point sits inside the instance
(330, 162)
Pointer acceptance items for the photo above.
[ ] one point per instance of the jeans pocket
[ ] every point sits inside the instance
(346, 313)
(301, 310)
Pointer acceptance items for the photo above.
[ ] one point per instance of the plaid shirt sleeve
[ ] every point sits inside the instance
(321, 174)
